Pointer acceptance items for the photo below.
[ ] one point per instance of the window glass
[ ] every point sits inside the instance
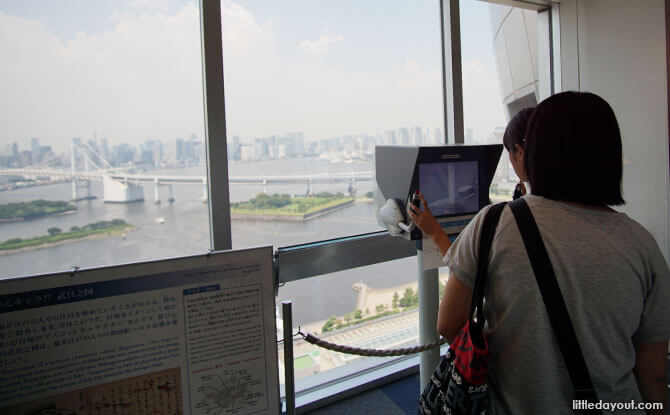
(102, 119)
(311, 88)
(369, 307)
(501, 76)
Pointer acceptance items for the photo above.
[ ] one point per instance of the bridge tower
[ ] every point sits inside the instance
(171, 197)
(73, 170)
(157, 200)
(86, 169)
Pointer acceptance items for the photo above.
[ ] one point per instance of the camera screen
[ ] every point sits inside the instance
(450, 188)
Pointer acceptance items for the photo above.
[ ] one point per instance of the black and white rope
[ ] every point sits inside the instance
(310, 338)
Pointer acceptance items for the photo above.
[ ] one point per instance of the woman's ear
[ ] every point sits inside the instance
(519, 150)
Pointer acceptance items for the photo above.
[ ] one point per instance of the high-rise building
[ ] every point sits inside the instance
(417, 136)
(390, 137)
(469, 136)
(124, 154)
(439, 138)
(403, 136)
(284, 147)
(35, 147)
(9, 149)
(262, 147)
(234, 149)
(272, 142)
(25, 158)
(104, 148)
(298, 143)
(246, 152)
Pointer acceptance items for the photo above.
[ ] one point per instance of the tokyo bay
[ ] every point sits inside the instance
(181, 228)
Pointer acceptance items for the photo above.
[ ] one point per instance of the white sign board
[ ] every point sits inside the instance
(192, 335)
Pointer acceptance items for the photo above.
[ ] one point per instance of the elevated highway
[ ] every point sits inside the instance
(125, 187)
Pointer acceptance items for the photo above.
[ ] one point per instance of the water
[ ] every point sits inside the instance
(185, 231)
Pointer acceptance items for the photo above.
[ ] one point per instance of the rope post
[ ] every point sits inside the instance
(428, 305)
(289, 378)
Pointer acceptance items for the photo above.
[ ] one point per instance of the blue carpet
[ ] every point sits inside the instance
(397, 398)
(404, 393)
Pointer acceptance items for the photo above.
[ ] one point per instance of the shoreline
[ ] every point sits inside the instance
(369, 298)
(100, 235)
(28, 218)
(291, 217)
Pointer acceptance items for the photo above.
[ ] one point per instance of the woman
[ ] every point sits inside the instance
(513, 140)
(613, 277)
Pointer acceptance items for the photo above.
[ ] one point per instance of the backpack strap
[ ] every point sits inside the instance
(553, 302)
(485, 241)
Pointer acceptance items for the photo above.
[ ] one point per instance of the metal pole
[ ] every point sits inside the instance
(215, 125)
(452, 79)
(289, 381)
(428, 306)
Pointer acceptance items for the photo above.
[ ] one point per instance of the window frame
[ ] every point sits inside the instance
(296, 262)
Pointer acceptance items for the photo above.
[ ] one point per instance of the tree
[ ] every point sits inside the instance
(328, 325)
(348, 317)
(409, 298)
(358, 314)
(75, 228)
(396, 297)
(54, 231)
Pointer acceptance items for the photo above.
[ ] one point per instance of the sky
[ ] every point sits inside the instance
(130, 70)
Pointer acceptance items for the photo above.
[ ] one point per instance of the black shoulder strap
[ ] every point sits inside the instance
(553, 301)
(485, 241)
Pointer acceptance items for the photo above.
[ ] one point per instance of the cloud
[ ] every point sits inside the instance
(242, 34)
(327, 101)
(147, 4)
(320, 47)
(139, 80)
(142, 80)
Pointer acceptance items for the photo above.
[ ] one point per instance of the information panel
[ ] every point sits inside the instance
(192, 335)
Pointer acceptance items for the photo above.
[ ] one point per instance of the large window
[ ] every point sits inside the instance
(105, 100)
(505, 69)
(369, 307)
(311, 88)
(104, 160)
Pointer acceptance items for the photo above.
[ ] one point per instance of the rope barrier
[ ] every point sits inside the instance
(310, 338)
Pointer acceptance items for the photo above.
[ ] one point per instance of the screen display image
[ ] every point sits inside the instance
(450, 188)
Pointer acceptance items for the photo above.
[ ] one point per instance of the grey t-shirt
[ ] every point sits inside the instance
(616, 286)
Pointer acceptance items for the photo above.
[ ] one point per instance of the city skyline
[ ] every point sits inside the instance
(176, 151)
(136, 74)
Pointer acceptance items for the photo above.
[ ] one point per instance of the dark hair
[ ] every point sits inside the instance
(516, 129)
(573, 150)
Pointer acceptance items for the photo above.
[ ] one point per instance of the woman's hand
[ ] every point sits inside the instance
(425, 221)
